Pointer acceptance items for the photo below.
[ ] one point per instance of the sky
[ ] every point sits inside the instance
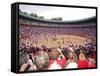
(67, 13)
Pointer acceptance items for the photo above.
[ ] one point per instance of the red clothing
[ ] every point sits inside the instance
(82, 64)
(94, 56)
(60, 62)
(92, 66)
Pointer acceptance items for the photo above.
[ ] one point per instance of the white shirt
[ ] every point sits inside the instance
(71, 65)
(54, 66)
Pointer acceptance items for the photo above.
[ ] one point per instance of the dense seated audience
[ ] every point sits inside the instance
(51, 48)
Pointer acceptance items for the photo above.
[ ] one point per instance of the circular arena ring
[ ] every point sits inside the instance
(61, 41)
(56, 34)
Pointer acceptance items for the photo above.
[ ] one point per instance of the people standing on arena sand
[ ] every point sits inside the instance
(29, 62)
(82, 61)
(42, 60)
(57, 59)
(92, 62)
(72, 59)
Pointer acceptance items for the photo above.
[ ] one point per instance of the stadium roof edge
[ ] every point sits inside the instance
(28, 17)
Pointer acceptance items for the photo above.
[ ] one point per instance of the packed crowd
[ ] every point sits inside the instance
(33, 58)
(44, 58)
(37, 32)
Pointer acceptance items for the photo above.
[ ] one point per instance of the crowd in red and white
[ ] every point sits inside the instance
(33, 58)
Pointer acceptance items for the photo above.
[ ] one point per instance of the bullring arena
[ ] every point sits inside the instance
(43, 41)
(57, 34)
